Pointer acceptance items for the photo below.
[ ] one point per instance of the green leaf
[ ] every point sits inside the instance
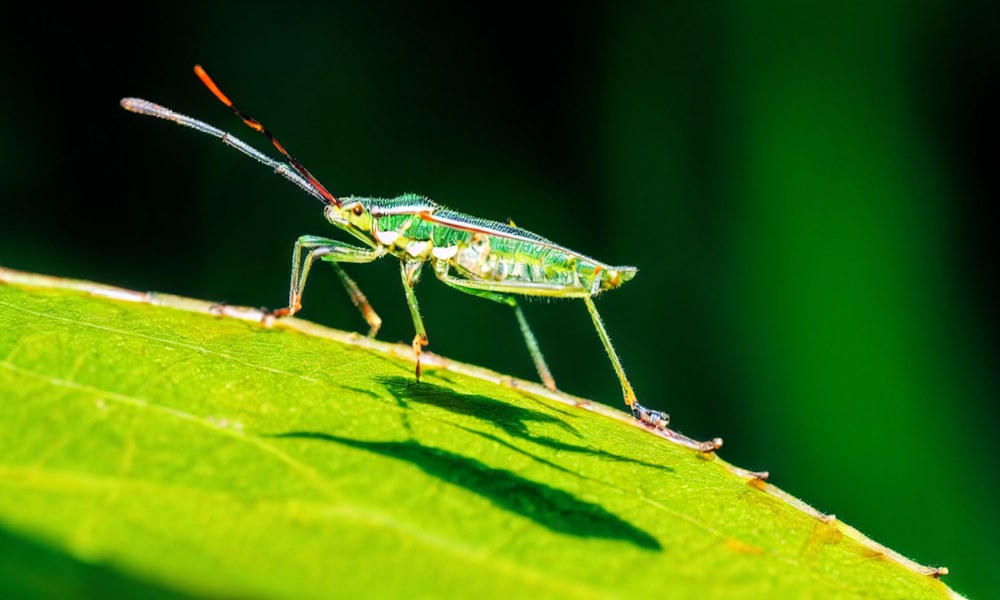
(148, 447)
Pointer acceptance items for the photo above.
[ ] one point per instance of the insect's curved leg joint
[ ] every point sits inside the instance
(330, 251)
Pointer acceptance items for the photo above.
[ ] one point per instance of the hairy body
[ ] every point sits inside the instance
(488, 259)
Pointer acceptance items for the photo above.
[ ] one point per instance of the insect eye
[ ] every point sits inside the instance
(357, 209)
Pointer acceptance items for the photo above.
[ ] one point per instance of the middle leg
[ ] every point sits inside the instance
(529, 338)
(410, 272)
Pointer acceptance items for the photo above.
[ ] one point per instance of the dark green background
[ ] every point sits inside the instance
(807, 192)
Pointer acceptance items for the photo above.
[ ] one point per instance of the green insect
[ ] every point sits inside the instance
(483, 258)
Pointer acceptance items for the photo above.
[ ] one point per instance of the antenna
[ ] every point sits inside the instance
(145, 107)
(256, 125)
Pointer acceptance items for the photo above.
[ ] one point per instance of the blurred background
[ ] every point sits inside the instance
(807, 192)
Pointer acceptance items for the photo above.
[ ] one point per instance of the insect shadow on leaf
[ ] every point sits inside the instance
(547, 506)
(29, 568)
(511, 419)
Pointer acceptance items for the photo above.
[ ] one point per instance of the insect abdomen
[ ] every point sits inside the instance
(490, 251)
(501, 259)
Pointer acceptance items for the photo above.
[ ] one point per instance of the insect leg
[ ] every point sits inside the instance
(332, 251)
(359, 300)
(529, 338)
(536, 354)
(410, 272)
(651, 417)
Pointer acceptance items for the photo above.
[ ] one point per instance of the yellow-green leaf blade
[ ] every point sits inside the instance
(216, 456)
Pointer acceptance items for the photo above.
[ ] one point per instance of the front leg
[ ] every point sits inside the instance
(331, 251)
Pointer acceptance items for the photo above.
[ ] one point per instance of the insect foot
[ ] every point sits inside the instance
(419, 341)
(650, 417)
(268, 316)
(262, 314)
(658, 421)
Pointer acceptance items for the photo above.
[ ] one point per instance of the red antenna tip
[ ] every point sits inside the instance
(211, 85)
(256, 125)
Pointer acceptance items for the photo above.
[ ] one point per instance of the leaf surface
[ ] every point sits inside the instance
(147, 449)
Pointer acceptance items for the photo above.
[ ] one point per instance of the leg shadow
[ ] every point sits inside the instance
(550, 507)
(512, 419)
